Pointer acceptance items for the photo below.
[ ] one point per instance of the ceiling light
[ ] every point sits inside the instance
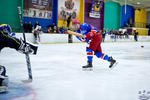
(138, 3)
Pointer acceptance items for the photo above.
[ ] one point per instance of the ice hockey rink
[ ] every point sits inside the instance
(58, 75)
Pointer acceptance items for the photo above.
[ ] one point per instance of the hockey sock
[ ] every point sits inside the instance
(89, 54)
(102, 56)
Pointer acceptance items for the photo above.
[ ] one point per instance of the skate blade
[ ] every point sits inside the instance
(87, 69)
(115, 64)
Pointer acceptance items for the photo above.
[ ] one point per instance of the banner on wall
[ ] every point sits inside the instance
(96, 9)
(38, 8)
(67, 8)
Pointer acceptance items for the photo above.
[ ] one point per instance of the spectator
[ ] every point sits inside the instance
(30, 27)
(55, 30)
(126, 35)
(135, 35)
(103, 35)
(68, 24)
(25, 27)
(61, 29)
(49, 30)
(36, 23)
(52, 26)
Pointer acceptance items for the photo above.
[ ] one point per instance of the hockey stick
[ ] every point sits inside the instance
(26, 54)
(75, 33)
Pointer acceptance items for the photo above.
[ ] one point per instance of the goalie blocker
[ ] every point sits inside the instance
(28, 48)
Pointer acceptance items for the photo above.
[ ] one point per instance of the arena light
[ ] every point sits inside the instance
(138, 3)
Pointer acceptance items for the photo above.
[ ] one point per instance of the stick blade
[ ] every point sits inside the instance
(27, 81)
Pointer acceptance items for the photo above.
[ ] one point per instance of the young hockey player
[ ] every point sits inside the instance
(7, 39)
(37, 32)
(93, 38)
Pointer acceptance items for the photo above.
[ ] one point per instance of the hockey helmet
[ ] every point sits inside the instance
(85, 28)
(5, 28)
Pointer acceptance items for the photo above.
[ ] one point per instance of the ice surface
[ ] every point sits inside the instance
(57, 72)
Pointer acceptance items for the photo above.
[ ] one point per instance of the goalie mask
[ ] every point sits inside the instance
(6, 29)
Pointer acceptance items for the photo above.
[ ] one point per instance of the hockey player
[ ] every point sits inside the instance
(93, 38)
(3, 79)
(7, 39)
(37, 32)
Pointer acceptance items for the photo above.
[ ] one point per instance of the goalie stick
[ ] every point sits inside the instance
(26, 54)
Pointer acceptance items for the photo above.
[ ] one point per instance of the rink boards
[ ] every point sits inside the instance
(63, 38)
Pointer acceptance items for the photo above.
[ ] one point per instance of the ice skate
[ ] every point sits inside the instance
(89, 66)
(3, 79)
(112, 63)
(3, 89)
